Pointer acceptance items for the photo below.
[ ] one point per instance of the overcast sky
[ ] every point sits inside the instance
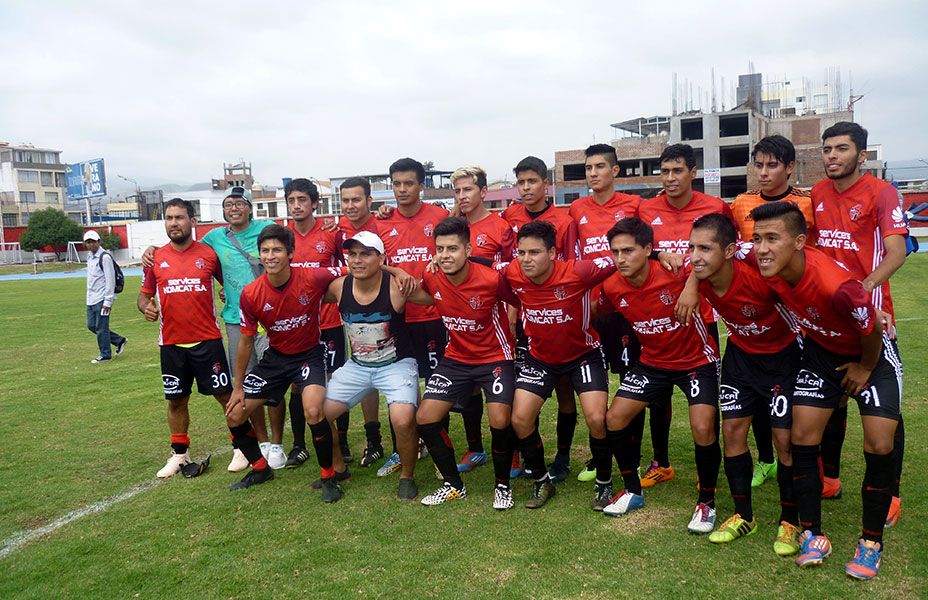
(168, 91)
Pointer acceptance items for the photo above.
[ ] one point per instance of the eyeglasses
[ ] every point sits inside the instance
(236, 204)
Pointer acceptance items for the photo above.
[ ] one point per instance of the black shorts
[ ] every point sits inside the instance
(206, 362)
(752, 380)
(272, 376)
(333, 346)
(455, 382)
(655, 386)
(429, 339)
(587, 374)
(620, 344)
(818, 383)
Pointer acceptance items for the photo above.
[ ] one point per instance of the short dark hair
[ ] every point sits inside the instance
(857, 133)
(604, 150)
(180, 202)
(531, 163)
(635, 227)
(788, 212)
(357, 182)
(454, 226)
(279, 233)
(723, 230)
(404, 165)
(776, 146)
(675, 151)
(541, 230)
(301, 184)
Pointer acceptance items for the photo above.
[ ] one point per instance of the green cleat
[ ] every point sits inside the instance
(763, 472)
(732, 529)
(588, 473)
(787, 543)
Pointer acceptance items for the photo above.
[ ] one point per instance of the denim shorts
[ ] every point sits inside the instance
(398, 382)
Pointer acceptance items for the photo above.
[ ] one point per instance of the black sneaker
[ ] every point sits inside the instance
(297, 457)
(603, 497)
(408, 489)
(121, 347)
(346, 452)
(338, 477)
(253, 478)
(331, 491)
(100, 359)
(559, 468)
(544, 491)
(371, 455)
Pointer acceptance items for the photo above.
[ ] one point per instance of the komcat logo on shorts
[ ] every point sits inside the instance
(634, 382)
(253, 384)
(809, 385)
(528, 374)
(438, 384)
(171, 383)
(728, 398)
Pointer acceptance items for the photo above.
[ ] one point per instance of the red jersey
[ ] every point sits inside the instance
(346, 230)
(183, 282)
(410, 246)
(665, 342)
(743, 205)
(478, 328)
(672, 225)
(565, 245)
(831, 306)
(291, 314)
(318, 248)
(851, 226)
(492, 238)
(757, 322)
(556, 314)
(594, 220)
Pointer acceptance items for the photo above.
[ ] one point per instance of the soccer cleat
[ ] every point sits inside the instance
(254, 477)
(347, 456)
(559, 468)
(175, 462)
(238, 463)
(892, 517)
(392, 465)
(371, 455)
(516, 469)
(423, 450)
(121, 347)
(866, 561)
(703, 519)
(603, 497)
(338, 478)
(544, 491)
(656, 474)
(471, 460)
(276, 458)
(588, 473)
(265, 449)
(623, 503)
(763, 472)
(787, 542)
(100, 359)
(297, 457)
(407, 490)
(446, 493)
(331, 491)
(732, 529)
(831, 488)
(502, 497)
(812, 549)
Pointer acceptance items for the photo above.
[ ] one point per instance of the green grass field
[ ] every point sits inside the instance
(74, 434)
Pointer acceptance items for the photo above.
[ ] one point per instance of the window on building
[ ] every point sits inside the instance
(6, 156)
(27, 197)
(699, 185)
(734, 185)
(570, 197)
(60, 180)
(28, 176)
(575, 172)
(51, 158)
(733, 156)
(48, 178)
(733, 125)
(272, 210)
(51, 197)
(629, 168)
(9, 220)
(24, 217)
(700, 157)
(691, 129)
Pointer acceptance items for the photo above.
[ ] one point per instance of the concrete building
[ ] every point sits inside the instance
(31, 179)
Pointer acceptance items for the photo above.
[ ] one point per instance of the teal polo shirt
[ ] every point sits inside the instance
(236, 272)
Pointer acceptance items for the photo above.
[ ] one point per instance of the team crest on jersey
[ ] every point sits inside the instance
(200, 263)
(497, 372)
(482, 240)
(321, 247)
(560, 293)
(748, 310)
(862, 315)
(810, 310)
(217, 368)
(856, 211)
(431, 346)
(303, 299)
(625, 340)
(427, 230)
(475, 302)
(666, 296)
(619, 215)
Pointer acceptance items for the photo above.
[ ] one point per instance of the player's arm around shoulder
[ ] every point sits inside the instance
(333, 294)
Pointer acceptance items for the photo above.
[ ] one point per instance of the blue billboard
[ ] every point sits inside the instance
(86, 179)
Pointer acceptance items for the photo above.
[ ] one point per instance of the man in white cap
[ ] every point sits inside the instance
(101, 292)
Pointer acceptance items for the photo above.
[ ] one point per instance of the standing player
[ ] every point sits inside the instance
(671, 355)
(191, 343)
(480, 352)
(555, 312)
(671, 214)
(843, 353)
(286, 302)
(758, 373)
(860, 224)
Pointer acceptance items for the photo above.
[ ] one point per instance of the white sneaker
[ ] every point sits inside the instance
(172, 467)
(239, 462)
(623, 503)
(276, 457)
(703, 520)
(265, 449)
(502, 497)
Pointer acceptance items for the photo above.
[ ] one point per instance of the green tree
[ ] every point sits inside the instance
(109, 240)
(50, 227)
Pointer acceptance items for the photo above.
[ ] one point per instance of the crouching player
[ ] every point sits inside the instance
(843, 351)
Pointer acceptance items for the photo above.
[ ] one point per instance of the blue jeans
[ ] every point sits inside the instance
(100, 325)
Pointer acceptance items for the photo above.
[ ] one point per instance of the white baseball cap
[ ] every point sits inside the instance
(91, 235)
(367, 239)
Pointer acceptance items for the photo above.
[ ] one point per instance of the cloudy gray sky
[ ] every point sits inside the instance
(167, 91)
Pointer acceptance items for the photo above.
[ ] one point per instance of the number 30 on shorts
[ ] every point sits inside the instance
(220, 380)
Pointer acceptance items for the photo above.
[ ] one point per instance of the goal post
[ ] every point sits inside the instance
(73, 254)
